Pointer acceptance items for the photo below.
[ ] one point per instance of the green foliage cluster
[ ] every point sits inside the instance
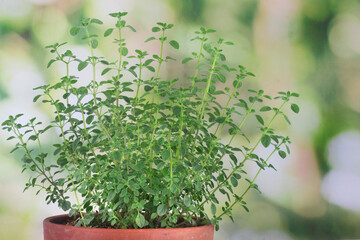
(139, 152)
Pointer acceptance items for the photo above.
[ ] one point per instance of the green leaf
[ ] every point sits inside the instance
(245, 207)
(155, 29)
(271, 166)
(221, 78)
(111, 195)
(51, 62)
(282, 154)
(151, 69)
(222, 57)
(148, 88)
(89, 119)
(295, 108)
(161, 209)
(105, 71)
(233, 157)
(287, 119)
(265, 109)
(173, 188)
(156, 148)
(74, 31)
(147, 62)
(266, 140)
(140, 220)
(187, 201)
(287, 149)
(260, 119)
(26, 159)
(174, 44)
(36, 98)
(108, 32)
(33, 137)
(124, 51)
(131, 28)
(237, 176)
(153, 216)
(177, 110)
(165, 154)
(185, 60)
(260, 165)
(94, 43)
(132, 72)
(65, 205)
(62, 161)
(150, 39)
(220, 119)
(234, 181)
(82, 65)
(45, 129)
(97, 21)
(217, 227)
(88, 218)
(237, 84)
(213, 209)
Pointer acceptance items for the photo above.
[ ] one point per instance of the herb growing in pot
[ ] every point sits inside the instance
(136, 151)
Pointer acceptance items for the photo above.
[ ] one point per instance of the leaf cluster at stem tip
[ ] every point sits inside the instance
(135, 150)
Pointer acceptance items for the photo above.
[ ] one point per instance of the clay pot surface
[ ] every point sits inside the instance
(55, 230)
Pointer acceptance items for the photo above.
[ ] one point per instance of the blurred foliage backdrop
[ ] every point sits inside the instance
(308, 46)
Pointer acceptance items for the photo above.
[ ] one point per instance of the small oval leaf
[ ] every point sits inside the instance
(260, 119)
(213, 209)
(266, 140)
(94, 43)
(82, 65)
(74, 31)
(282, 154)
(108, 32)
(174, 44)
(295, 108)
(265, 109)
(186, 60)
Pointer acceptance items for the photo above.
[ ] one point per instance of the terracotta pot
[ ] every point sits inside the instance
(55, 230)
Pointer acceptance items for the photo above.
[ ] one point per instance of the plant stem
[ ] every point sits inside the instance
(265, 131)
(93, 63)
(223, 125)
(226, 106)
(157, 102)
(19, 136)
(119, 67)
(77, 200)
(180, 130)
(198, 61)
(204, 98)
(139, 82)
(251, 183)
(246, 157)
(203, 105)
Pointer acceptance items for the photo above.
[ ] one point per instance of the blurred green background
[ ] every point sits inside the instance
(308, 46)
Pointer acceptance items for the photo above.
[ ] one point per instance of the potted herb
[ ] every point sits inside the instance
(142, 156)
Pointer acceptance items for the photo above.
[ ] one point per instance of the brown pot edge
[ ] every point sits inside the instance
(47, 221)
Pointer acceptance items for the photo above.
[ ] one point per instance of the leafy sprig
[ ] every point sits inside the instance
(138, 152)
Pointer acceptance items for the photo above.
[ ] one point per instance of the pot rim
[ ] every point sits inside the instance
(49, 221)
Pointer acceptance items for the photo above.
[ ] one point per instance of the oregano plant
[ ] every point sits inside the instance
(138, 151)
